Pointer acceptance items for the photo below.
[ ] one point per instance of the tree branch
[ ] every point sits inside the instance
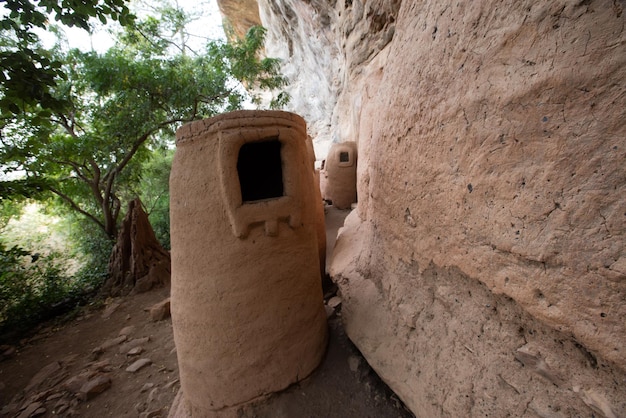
(77, 208)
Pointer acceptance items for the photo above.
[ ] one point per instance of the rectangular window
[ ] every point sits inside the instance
(260, 170)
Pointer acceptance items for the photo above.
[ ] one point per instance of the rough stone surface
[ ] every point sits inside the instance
(160, 311)
(138, 365)
(138, 261)
(94, 386)
(31, 410)
(239, 16)
(484, 270)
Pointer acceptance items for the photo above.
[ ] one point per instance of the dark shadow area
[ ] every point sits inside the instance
(260, 170)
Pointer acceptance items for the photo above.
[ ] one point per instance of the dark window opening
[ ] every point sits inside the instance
(260, 170)
(344, 157)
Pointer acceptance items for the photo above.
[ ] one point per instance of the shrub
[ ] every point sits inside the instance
(31, 287)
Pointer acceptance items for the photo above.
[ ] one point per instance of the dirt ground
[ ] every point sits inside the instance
(85, 367)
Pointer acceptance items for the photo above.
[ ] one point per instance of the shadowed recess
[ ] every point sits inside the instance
(260, 170)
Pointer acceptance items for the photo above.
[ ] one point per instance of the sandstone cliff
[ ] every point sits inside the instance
(484, 270)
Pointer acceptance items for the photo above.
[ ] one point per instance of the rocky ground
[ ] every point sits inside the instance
(117, 358)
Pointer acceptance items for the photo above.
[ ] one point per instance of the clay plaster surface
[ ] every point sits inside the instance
(247, 307)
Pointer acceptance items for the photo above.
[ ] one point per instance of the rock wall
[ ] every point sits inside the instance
(484, 270)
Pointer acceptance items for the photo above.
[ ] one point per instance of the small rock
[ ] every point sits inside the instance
(40, 396)
(42, 375)
(537, 364)
(160, 311)
(127, 330)
(152, 396)
(96, 352)
(75, 383)
(60, 407)
(142, 362)
(354, 363)
(126, 347)
(146, 387)
(140, 407)
(329, 311)
(30, 410)
(135, 351)
(2, 386)
(39, 412)
(94, 387)
(170, 384)
(597, 402)
(54, 396)
(334, 302)
(112, 342)
(100, 366)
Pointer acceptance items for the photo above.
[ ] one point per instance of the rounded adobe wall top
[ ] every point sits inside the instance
(239, 119)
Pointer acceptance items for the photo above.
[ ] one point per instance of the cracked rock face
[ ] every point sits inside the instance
(492, 193)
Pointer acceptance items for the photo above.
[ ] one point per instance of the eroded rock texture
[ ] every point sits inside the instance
(484, 270)
(138, 262)
(239, 16)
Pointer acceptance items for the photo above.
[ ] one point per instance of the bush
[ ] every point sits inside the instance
(34, 287)
(93, 247)
(31, 288)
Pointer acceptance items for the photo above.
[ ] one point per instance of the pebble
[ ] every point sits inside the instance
(60, 407)
(142, 362)
(54, 396)
(146, 387)
(152, 396)
(354, 363)
(127, 330)
(334, 302)
(172, 383)
(127, 346)
(135, 351)
(74, 383)
(94, 387)
(112, 343)
(160, 311)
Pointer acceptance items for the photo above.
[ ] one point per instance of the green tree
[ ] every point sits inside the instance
(28, 73)
(154, 192)
(121, 105)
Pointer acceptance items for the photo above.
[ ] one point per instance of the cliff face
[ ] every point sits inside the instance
(484, 271)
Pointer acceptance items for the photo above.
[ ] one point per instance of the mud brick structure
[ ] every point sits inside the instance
(246, 298)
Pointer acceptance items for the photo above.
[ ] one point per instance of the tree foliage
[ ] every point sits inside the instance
(30, 287)
(121, 105)
(28, 73)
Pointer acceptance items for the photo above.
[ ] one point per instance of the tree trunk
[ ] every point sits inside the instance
(138, 261)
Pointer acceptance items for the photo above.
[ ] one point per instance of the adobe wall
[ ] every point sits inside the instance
(246, 295)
